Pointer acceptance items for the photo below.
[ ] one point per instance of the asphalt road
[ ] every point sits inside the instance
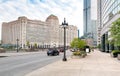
(21, 65)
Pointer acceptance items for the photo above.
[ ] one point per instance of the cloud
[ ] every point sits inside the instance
(40, 9)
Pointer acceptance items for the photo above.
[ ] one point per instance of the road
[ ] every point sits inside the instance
(23, 64)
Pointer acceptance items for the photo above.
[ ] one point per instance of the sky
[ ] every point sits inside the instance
(72, 10)
(94, 9)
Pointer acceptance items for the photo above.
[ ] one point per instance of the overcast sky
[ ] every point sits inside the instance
(72, 10)
(94, 9)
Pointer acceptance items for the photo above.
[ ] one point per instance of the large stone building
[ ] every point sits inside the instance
(48, 33)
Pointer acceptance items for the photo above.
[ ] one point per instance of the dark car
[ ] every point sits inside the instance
(61, 50)
(52, 52)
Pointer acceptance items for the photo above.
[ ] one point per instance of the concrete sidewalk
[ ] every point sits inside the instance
(95, 64)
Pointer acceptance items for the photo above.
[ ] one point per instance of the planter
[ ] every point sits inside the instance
(79, 54)
(115, 53)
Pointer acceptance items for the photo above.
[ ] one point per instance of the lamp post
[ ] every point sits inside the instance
(64, 24)
(17, 43)
(54, 45)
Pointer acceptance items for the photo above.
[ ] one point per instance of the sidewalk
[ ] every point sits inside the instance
(95, 64)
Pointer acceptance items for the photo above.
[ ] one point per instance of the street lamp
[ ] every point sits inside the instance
(64, 25)
(54, 45)
(17, 43)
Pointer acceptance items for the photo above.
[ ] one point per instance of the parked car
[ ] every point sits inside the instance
(73, 50)
(52, 52)
(61, 50)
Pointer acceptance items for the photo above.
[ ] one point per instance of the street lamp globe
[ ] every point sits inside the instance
(64, 24)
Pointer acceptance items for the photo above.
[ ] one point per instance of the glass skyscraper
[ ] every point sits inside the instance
(87, 18)
(89, 24)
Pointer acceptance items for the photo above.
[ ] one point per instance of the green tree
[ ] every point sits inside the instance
(115, 32)
(35, 45)
(28, 43)
(77, 43)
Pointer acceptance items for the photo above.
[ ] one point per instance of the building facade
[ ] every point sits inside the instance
(87, 18)
(99, 21)
(107, 14)
(94, 31)
(90, 32)
(47, 34)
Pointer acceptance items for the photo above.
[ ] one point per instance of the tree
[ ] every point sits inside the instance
(78, 43)
(115, 32)
(35, 45)
(28, 44)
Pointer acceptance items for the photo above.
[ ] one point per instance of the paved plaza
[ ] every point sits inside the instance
(94, 64)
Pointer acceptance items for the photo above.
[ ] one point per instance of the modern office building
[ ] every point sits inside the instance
(87, 18)
(108, 13)
(99, 21)
(49, 33)
(94, 31)
(90, 32)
